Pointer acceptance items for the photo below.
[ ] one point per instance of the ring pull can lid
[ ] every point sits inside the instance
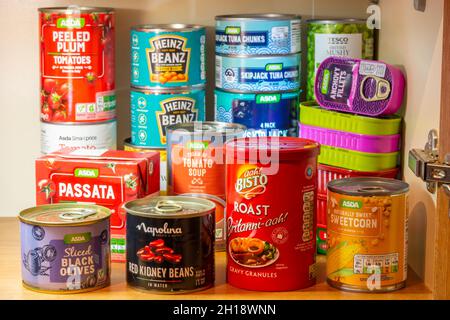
(167, 206)
(77, 214)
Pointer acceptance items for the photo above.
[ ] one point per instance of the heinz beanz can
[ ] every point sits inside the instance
(80, 136)
(128, 146)
(367, 234)
(349, 38)
(152, 111)
(258, 34)
(171, 55)
(271, 202)
(170, 244)
(264, 114)
(77, 64)
(65, 248)
(196, 162)
(258, 73)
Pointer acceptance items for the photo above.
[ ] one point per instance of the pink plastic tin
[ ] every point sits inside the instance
(351, 141)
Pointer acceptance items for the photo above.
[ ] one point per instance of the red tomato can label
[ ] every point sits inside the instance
(271, 202)
(77, 64)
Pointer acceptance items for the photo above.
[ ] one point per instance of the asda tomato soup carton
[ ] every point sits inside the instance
(106, 178)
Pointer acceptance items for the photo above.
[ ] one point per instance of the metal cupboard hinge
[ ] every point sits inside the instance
(420, 5)
(425, 164)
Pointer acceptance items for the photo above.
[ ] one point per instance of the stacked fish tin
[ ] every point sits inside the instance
(77, 97)
(168, 79)
(258, 72)
(354, 117)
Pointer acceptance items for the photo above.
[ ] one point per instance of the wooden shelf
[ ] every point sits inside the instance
(11, 283)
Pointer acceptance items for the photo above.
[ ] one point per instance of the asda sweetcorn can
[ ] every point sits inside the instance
(367, 234)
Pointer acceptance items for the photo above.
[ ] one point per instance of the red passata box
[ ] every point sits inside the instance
(108, 178)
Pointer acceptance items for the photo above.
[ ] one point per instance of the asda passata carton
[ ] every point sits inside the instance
(107, 178)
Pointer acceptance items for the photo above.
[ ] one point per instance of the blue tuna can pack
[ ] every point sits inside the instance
(165, 56)
(258, 34)
(264, 114)
(258, 73)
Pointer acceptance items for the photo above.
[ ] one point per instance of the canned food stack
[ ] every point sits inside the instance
(168, 79)
(78, 101)
(258, 72)
(353, 118)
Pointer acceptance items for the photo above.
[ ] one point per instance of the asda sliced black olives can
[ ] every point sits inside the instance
(170, 244)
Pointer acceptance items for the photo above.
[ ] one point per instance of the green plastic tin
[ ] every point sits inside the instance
(359, 161)
(311, 114)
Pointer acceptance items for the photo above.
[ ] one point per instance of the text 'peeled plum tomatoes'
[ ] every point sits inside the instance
(271, 191)
(77, 64)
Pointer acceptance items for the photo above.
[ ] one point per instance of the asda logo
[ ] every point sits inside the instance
(77, 238)
(325, 81)
(86, 173)
(350, 204)
(197, 145)
(274, 67)
(70, 23)
(232, 30)
(268, 98)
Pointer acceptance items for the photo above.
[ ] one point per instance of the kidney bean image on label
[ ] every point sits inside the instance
(271, 215)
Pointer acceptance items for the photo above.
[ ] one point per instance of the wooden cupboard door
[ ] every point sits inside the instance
(441, 289)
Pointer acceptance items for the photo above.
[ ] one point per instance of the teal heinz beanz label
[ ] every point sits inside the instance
(168, 56)
(152, 113)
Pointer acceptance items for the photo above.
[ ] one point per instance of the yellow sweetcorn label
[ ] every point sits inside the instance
(367, 241)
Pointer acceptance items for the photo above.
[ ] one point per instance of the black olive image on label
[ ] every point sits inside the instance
(38, 233)
(104, 237)
(49, 253)
(33, 262)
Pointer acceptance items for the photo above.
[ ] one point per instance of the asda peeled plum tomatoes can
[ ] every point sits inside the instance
(77, 64)
(167, 55)
(170, 244)
(271, 203)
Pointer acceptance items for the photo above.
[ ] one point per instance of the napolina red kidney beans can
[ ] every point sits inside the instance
(65, 248)
(170, 244)
(271, 201)
(77, 64)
